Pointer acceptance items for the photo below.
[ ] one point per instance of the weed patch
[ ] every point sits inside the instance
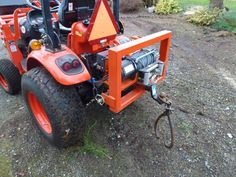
(91, 147)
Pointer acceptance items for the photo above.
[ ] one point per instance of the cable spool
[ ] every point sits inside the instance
(137, 61)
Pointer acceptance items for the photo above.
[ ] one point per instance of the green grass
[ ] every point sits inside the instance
(231, 4)
(227, 21)
(91, 147)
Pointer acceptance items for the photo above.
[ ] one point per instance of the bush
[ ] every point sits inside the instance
(205, 17)
(226, 22)
(165, 7)
(131, 5)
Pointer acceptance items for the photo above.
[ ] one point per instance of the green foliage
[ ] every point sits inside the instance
(92, 148)
(165, 7)
(205, 17)
(227, 22)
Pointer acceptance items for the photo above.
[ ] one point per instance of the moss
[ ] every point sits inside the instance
(5, 161)
(185, 127)
(5, 166)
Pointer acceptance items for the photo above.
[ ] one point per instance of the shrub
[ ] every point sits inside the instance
(165, 7)
(131, 5)
(226, 21)
(205, 17)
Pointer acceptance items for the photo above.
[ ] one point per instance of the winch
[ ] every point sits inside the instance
(138, 61)
(145, 62)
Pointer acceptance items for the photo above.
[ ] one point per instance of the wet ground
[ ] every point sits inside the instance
(201, 81)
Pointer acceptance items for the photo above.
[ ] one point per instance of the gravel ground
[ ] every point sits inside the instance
(201, 81)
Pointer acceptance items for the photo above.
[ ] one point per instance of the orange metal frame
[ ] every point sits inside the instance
(113, 98)
(9, 37)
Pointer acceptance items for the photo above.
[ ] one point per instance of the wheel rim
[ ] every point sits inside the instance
(3, 82)
(39, 113)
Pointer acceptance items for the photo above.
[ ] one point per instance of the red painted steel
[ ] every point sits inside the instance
(113, 97)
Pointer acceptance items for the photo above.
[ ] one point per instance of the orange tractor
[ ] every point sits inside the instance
(66, 54)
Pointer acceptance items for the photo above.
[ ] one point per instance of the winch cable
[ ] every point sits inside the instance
(165, 114)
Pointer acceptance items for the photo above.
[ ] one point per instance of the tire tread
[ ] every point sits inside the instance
(12, 75)
(64, 102)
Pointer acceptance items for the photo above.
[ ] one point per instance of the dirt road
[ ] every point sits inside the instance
(201, 80)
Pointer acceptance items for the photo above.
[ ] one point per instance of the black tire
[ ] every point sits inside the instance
(62, 105)
(11, 75)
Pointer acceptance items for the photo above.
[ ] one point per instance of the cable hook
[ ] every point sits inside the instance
(162, 98)
(165, 114)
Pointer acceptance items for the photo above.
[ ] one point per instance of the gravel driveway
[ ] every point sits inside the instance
(201, 81)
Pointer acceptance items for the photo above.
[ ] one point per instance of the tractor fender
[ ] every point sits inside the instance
(48, 60)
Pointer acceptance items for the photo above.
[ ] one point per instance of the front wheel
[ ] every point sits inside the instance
(10, 77)
(56, 109)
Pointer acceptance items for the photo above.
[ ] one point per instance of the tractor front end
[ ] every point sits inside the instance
(133, 68)
(122, 68)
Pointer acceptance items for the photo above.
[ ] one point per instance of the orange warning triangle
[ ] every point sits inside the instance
(103, 25)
